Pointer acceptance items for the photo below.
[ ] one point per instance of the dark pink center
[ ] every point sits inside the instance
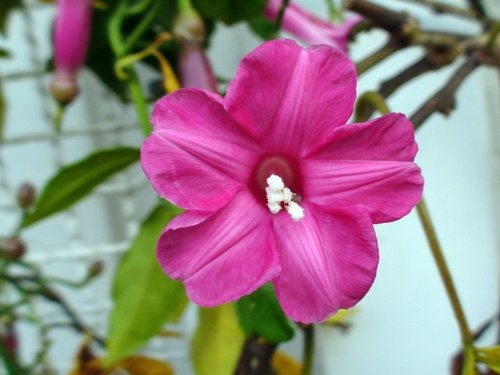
(284, 166)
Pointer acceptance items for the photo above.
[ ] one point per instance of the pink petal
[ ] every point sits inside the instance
(223, 256)
(288, 97)
(390, 137)
(388, 190)
(368, 164)
(328, 261)
(197, 157)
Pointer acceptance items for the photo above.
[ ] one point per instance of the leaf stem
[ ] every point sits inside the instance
(137, 94)
(437, 253)
(308, 349)
(141, 28)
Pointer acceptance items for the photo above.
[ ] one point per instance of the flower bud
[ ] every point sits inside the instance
(195, 69)
(189, 27)
(95, 269)
(13, 248)
(26, 195)
(309, 28)
(71, 36)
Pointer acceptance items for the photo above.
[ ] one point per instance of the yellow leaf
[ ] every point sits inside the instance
(286, 365)
(217, 342)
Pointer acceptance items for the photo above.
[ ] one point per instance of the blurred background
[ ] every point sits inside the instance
(404, 325)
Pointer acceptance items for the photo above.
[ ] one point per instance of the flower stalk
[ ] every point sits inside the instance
(444, 272)
(308, 349)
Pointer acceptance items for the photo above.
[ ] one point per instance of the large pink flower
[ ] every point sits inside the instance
(311, 29)
(276, 186)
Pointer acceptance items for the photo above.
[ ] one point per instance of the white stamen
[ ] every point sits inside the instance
(277, 194)
(295, 211)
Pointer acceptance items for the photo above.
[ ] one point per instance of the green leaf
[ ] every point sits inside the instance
(260, 313)
(145, 299)
(469, 364)
(4, 53)
(6, 6)
(75, 181)
(490, 357)
(217, 341)
(263, 27)
(230, 11)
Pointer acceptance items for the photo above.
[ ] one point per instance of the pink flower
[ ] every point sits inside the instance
(276, 186)
(311, 29)
(71, 36)
(194, 67)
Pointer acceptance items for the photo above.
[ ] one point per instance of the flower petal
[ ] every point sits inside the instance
(390, 137)
(368, 164)
(388, 190)
(223, 256)
(288, 97)
(197, 156)
(328, 261)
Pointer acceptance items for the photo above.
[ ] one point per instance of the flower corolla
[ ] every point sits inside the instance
(276, 187)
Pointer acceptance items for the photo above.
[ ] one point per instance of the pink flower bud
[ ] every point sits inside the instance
(195, 69)
(71, 37)
(309, 28)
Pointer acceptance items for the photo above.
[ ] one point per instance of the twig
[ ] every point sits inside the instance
(378, 56)
(478, 7)
(440, 7)
(441, 100)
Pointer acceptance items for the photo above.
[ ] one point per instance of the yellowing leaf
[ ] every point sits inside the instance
(286, 365)
(144, 297)
(490, 357)
(217, 342)
(340, 318)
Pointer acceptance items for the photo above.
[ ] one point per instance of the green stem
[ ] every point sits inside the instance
(492, 38)
(141, 28)
(437, 253)
(373, 99)
(184, 6)
(137, 94)
(281, 14)
(114, 28)
(333, 11)
(139, 7)
(308, 349)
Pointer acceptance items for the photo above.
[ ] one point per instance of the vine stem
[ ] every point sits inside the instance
(308, 349)
(137, 94)
(437, 253)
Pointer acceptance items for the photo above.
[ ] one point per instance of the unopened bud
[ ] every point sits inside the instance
(189, 27)
(194, 68)
(26, 195)
(95, 269)
(64, 88)
(13, 248)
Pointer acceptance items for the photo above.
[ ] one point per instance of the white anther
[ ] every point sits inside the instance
(295, 211)
(275, 182)
(279, 196)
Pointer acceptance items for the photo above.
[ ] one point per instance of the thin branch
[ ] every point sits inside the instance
(378, 56)
(437, 253)
(440, 7)
(441, 100)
